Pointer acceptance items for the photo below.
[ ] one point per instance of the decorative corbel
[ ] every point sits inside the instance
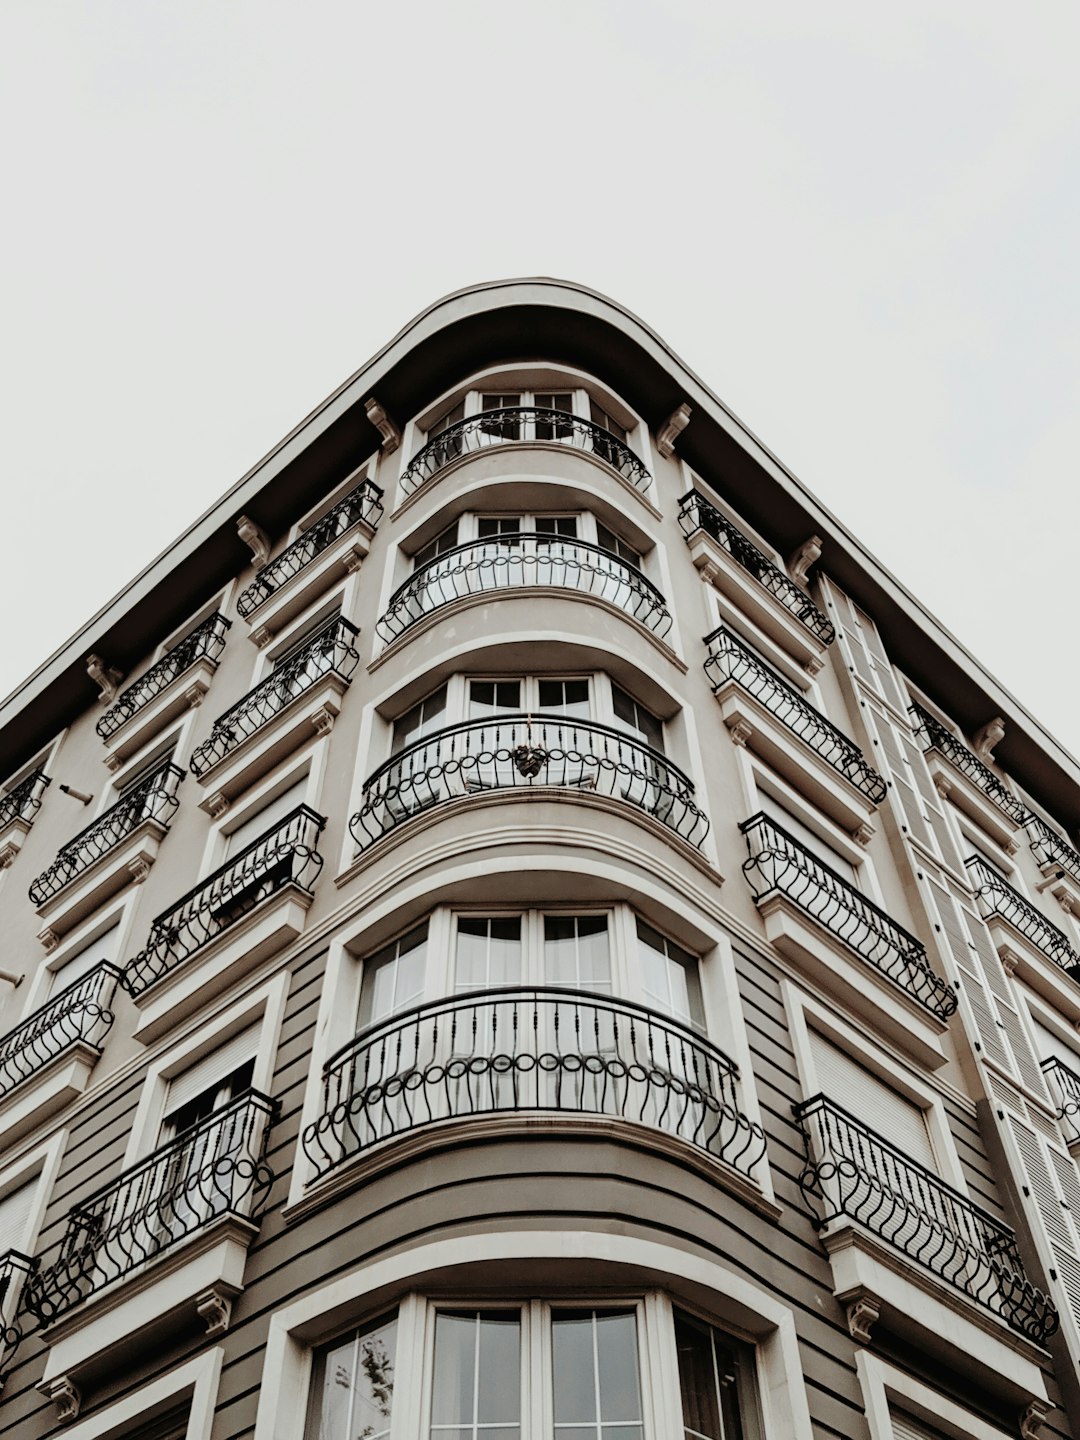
(864, 834)
(106, 677)
(255, 538)
(808, 553)
(215, 1307)
(391, 435)
(740, 730)
(991, 734)
(671, 429)
(50, 939)
(1033, 1419)
(64, 1394)
(863, 1312)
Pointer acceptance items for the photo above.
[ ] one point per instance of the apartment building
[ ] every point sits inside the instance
(516, 926)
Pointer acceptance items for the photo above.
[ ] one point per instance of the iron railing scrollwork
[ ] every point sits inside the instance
(696, 513)
(513, 1050)
(852, 1172)
(997, 897)
(214, 1169)
(1049, 848)
(153, 798)
(286, 855)
(15, 1268)
(331, 651)
(529, 752)
(968, 763)
(79, 1012)
(779, 863)
(511, 562)
(1067, 1082)
(23, 801)
(729, 659)
(515, 424)
(362, 505)
(205, 642)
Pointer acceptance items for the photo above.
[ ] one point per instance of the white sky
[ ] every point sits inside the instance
(859, 223)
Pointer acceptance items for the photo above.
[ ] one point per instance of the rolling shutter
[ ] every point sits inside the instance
(256, 826)
(212, 1068)
(906, 1427)
(15, 1210)
(890, 1114)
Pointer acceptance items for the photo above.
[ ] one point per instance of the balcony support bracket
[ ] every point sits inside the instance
(64, 1394)
(863, 1312)
(1033, 1419)
(671, 429)
(255, 538)
(391, 435)
(106, 677)
(215, 1307)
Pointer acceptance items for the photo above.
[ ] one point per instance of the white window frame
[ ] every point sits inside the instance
(882, 1384)
(39, 1166)
(99, 923)
(310, 767)
(197, 1378)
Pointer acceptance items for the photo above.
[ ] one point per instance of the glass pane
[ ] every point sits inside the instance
(616, 1363)
(573, 1370)
(452, 1398)
(708, 1369)
(499, 1371)
(374, 1384)
(488, 952)
(594, 962)
(394, 977)
(486, 697)
(337, 1392)
(442, 542)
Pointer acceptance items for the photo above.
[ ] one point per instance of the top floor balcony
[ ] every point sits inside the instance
(1057, 860)
(969, 783)
(1065, 1085)
(18, 807)
(523, 424)
(999, 901)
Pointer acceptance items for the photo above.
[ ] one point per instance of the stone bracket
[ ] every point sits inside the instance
(255, 538)
(106, 677)
(391, 435)
(808, 553)
(215, 1307)
(671, 429)
(64, 1394)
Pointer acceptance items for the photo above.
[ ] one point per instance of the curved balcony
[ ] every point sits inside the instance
(778, 864)
(79, 1014)
(853, 1173)
(529, 753)
(997, 897)
(512, 1051)
(205, 642)
(151, 799)
(214, 1170)
(523, 424)
(520, 562)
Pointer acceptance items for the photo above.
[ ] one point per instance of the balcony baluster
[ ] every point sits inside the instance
(206, 641)
(969, 764)
(78, 1013)
(997, 897)
(23, 801)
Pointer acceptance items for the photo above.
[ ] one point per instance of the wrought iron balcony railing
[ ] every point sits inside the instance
(153, 798)
(851, 1171)
(14, 1270)
(1068, 1088)
(998, 897)
(529, 752)
(696, 513)
(213, 1170)
(514, 562)
(206, 641)
(79, 1012)
(286, 855)
(1049, 848)
(778, 863)
(522, 423)
(23, 801)
(514, 1050)
(331, 651)
(729, 659)
(961, 758)
(362, 505)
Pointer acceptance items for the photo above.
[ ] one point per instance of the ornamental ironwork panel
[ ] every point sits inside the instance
(968, 763)
(511, 562)
(517, 424)
(14, 1270)
(1068, 1089)
(532, 753)
(214, 1169)
(1049, 848)
(852, 1172)
(153, 798)
(330, 651)
(511, 1050)
(696, 513)
(362, 505)
(997, 897)
(23, 801)
(205, 642)
(285, 855)
(729, 659)
(78, 1013)
(778, 863)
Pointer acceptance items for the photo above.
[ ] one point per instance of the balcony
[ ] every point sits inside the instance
(297, 701)
(335, 545)
(1012, 921)
(18, 809)
(1057, 860)
(854, 1175)
(179, 680)
(818, 920)
(116, 849)
(511, 1051)
(1065, 1087)
(14, 1270)
(523, 424)
(250, 907)
(525, 562)
(195, 1200)
(968, 783)
(765, 713)
(744, 575)
(534, 755)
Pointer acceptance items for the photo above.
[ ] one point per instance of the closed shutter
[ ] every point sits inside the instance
(105, 947)
(1055, 1188)
(891, 1115)
(906, 1427)
(805, 836)
(15, 1210)
(256, 826)
(212, 1068)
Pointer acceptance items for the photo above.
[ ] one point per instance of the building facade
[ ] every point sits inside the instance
(516, 926)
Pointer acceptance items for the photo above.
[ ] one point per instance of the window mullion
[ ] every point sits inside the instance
(441, 956)
(540, 1390)
(412, 1392)
(662, 1396)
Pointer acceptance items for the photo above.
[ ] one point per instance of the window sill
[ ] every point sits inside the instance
(59, 1081)
(870, 1277)
(347, 553)
(856, 983)
(184, 692)
(125, 864)
(267, 929)
(955, 787)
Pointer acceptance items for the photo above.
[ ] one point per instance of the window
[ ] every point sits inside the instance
(445, 540)
(497, 1372)
(669, 978)
(420, 720)
(618, 547)
(806, 837)
(394, 977)
(77, 963)
(258, 823)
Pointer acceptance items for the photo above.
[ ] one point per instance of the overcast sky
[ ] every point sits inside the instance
(859, 223)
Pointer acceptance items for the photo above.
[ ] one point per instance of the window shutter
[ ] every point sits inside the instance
(15, 1210)
(1055, 1188)
(212, 1068)
(805, 836)
(906, 1427)
(255, 826)
(870, 1099)
(105, 947)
